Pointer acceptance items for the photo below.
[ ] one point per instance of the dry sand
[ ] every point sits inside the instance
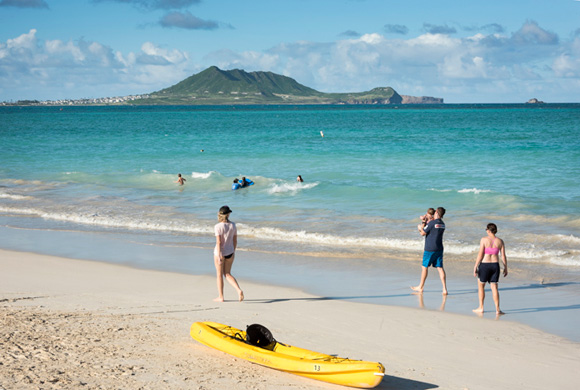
(70, 324)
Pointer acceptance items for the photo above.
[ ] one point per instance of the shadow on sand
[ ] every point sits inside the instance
(315, 299)
(541, 285)
(393, 382)
(442, 307)
(517, 288)
(546, 308)
(453, 292)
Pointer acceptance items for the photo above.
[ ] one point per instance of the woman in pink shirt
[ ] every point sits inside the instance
(226, 242)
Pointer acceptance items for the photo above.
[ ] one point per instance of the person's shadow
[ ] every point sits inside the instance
(530, 286)
(314, 299)
(395, 383)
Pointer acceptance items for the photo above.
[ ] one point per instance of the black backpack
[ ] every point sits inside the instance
(259, 336)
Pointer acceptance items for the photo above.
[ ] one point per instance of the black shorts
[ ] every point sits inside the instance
(489, 272)
(228, 256)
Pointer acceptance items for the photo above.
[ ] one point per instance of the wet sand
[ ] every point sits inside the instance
(535, 296)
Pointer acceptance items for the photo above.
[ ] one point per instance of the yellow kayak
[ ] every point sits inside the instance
(258, 346)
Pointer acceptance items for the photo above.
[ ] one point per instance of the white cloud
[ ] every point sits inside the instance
(249, 60)
(84, 69)
(458, 69)
(371, 39)
(566, 66)
(463, 67)
(479, 68)
(58, 53)
(170, 56)
(429, 41)
(25, 41)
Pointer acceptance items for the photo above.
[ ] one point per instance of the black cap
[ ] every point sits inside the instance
(225, 210)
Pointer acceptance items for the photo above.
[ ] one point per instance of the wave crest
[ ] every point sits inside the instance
(203, 175)
(14, 197)
(472, 190)
(292, 188)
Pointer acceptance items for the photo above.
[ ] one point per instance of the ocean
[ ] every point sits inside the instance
(369, 173)
(366, 182)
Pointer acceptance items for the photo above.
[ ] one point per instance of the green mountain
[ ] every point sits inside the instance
(216, 86)
(215, 81)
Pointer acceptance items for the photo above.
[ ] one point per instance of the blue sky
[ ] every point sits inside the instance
(464, 51)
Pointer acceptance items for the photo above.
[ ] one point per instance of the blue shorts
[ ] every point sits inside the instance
(433, 259)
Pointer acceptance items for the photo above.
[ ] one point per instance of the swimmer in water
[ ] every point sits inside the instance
(180, 180)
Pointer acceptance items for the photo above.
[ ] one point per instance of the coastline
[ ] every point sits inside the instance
(548, 303)
(84, 322)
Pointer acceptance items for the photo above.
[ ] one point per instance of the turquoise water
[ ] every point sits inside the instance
(366, 181)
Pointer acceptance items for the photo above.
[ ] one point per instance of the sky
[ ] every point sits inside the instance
(464, 51)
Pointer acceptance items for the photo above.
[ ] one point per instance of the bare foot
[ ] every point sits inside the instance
(478, 310)
(445, 292)
(499, 313)
(417, 289)
(241, 294)
(218, 300)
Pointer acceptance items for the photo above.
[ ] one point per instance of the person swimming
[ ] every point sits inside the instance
(241, 183)
(180, 180)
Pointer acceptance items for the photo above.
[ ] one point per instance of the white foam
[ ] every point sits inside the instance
(14, 197)
(461, 249)
(262, 233)
(533, 253)
(202, 175)
(463, 191)
(572, 261)
(472, 190)
(572, 239)
(437, 190)
(326, 239)
(117, 221)
(290, 187)
(142, 220)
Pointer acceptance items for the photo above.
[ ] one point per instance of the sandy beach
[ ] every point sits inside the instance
(81, 324)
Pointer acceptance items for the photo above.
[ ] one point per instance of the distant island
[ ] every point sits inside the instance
(534, 101)
(214, 86)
